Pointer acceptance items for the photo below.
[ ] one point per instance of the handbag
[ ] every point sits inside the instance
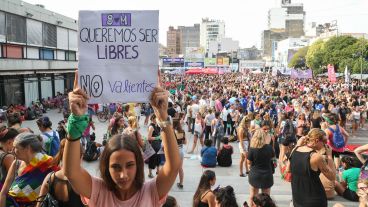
(148, 150)
(48, 200)
(285, 175)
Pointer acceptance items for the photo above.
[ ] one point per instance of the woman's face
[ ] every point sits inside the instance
(123, 169)
(121, 122)
(20, 152)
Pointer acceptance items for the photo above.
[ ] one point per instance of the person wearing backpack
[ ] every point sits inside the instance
(218, 131)
(287, 137)
(51, 140)
(91, 152)
(337, 137)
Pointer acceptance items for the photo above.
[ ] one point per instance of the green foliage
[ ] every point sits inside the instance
(340, 51)
(298, 59)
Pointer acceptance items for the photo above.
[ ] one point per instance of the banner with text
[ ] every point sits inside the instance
(301, 74)
(331, 73)
(118, 55)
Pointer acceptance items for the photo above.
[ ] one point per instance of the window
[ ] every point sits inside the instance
(73, 40)
(49, 35)
(32, 53)
(70, 55)
(60, 55)
(13, 51)
(62, 38)
(2, 27)
(34, 32)
(46, 54)
(16, 28)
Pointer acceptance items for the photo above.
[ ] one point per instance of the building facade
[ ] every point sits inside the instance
(294, 19)
(190, 37)
(38, 52)
(173, 48)
(211, 31)
(287, 48)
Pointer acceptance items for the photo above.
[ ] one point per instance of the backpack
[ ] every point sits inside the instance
(337, 138)
(91, 153)
(288, 131)
(219, 130)
(52, 145)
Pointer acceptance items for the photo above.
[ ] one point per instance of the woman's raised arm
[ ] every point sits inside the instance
(169, 172)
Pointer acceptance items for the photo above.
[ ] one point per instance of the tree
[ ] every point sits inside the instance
(314, 57)
(298, 59)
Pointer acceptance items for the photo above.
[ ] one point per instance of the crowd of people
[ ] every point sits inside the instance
(298, 127)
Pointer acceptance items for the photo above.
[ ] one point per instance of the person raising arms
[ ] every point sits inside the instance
(121, 163)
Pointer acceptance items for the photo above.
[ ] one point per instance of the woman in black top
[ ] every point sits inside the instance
(181, 140)
(204, 197)
(7, 137)
(57, 185)
(259, 159)
(316, 119)
(306, 165)
(155, 140)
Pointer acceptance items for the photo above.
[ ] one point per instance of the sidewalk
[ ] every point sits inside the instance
(281, 190)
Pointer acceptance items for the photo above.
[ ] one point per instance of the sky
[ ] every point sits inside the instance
(244, 19)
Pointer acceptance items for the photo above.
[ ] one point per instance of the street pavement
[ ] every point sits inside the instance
(280, 192)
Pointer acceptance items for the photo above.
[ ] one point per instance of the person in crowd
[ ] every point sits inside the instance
(302, 127)
(259, 158)
(148, 111)
(15, 122)
(244, 137)
(343, 112)
(133, 130)
(199, 127)
(225, 197)
(137, 111)
(287, 137)
(58, 186)
(218, 130)
(347, 187)
(181, 140)
(171, 111)
(170, 202)
(224, 158)
(118, 126)
(328, 184)
(204, 196)
(7, 137)
(255, 123)
(27, 172)
(61, 129)
(210, 116)
(356, 116)
(263, 200)
(51, 139)
(208, 154)
(316, 119)
(362, 188)
(305, 165)
(337, 137)
(225, 114)
(154, 137)
(121, 164)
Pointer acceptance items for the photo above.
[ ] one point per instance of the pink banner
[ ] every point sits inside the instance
(331, 73)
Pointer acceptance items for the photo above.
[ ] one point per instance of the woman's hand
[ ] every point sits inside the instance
(78, 99)
(159, 102)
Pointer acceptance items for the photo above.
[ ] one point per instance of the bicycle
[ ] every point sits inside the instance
(103, 115)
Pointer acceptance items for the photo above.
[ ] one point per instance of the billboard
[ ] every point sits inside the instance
(172, 60)
(194, 52)
(194, 64)
(210, 61)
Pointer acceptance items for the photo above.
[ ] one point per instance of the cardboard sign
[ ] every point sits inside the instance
(118, 55)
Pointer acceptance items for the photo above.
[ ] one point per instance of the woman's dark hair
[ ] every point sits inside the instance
(44, 122)
(14, 119)
(349, 162)
(203, 186)
(266, 123)
(226, 197)
(177, 125)
(115, 127)
(8, 134)
(217, 114)
(153, 117)
(263, 200)
(170, 202)
(116, 143)
(208, 143)
(225, 140)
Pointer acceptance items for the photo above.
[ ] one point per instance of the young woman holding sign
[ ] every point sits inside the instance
(121, 163)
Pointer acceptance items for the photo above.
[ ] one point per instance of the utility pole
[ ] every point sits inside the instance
(361, 62)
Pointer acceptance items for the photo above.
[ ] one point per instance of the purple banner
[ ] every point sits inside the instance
(301, 74)
(116, 19)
